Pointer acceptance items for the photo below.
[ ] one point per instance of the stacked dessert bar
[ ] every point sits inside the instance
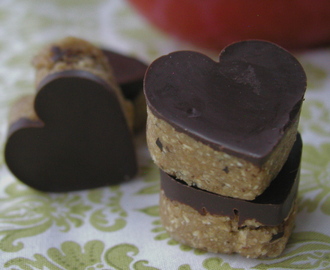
(224, 135)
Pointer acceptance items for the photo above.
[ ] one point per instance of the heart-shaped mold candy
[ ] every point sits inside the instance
(225, 126)
(129, 74)
(81, 140)
(128, 71)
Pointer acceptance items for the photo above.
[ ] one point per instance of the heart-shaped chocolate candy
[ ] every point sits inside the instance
(82, 140)
(241, 105)
(129, 73)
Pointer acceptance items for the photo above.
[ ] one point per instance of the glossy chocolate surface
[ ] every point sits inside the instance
(269, 208)
(242, 104)
(82, 140)
(129, 73)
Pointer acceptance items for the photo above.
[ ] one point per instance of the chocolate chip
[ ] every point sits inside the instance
(159, 144)
(225, 169)
(277, 236)
(57, 53)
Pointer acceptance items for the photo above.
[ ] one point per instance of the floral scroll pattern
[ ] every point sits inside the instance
(91, 256)
(26, 213)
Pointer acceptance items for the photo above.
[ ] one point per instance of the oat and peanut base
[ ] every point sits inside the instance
(199, 165)
(76, 54)
(220, 234)
(22, 108)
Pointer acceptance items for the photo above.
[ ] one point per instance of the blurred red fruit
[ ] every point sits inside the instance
(213, 24)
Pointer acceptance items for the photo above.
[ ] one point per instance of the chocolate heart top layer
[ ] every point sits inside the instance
(81, 142)
(241, 104)
(129, 73)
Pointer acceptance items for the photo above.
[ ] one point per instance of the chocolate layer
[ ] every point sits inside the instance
(242, 104)
(82, 140)
(129, 73)
(270, 208)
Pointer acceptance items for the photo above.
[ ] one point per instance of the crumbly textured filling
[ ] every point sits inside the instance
(199, 165)
(221, 234)
(72, 53)
(22, 108)
(76, 54)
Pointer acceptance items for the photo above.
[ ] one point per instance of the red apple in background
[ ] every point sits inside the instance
(213, 24)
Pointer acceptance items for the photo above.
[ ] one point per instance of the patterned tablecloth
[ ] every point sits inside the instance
(119, 227)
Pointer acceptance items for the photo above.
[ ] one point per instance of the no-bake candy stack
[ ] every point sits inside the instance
(224, 135)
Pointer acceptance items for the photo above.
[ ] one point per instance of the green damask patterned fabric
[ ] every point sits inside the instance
(119, 227)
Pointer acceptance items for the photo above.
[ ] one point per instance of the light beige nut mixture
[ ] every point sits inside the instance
(220, 234)
(73, 53)
(22, 108)
(199, 165)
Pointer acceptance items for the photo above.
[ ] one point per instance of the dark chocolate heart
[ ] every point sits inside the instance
(82, 140)
(242, 104)
(128, 71)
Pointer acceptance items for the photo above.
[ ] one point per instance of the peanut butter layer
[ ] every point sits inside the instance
(22, 108)
(221, 234)
(216, 171)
